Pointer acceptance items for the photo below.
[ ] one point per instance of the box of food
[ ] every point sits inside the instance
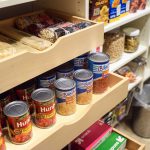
(99, 10)
(114, 142)
(125, 6)
(92, 137)
(114, 10)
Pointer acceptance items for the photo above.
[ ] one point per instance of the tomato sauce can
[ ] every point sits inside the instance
(81, 62)
(65, 96)
(65, 71)
(18, 121)
(23, 92)
(5, 98)
(99, 65)
(45, 113)
(84, 85)
(47, 80)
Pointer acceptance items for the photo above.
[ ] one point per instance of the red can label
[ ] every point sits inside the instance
(45, 114)
(2, 141)
(20, 129)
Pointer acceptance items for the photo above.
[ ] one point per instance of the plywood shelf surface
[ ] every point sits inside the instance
(68, 127)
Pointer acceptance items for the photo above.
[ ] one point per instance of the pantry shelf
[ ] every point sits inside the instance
(147, 73)
(72, 126)
(28, 64)
(134, 84)
(126, 19)
(7, 3)
(127, 57)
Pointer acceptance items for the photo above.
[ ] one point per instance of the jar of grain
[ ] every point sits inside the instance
(131, 39)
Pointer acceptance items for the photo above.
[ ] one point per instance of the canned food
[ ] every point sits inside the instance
(84, 85)
(99, 65)
(81, 62)
(19, 122)
(23, 93)
(45, 113)
(5, 98)
(65, 71)
(65, 96)
(2, 140)
(47, 80)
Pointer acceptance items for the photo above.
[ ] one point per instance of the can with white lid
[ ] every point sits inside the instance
(65, 96)
(44, 102)
(18, 121)
(84, 85)
(131, 39)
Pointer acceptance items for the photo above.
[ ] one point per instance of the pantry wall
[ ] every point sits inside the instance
(89, 115)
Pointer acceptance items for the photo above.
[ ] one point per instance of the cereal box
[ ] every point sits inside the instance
(92, 137)
(114, 10)
(99, 10)
(113, 142)
(125, 6)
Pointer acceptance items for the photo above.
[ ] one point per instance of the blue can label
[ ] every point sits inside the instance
(67, 97)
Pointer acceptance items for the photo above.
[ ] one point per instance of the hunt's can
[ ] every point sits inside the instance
(84, 85)
(47, 80)
(65, 96)
(5, 98)
(18, 121)
(99, 65)
(24, 91)
(45, 113)
(81, 62)
(65, 71)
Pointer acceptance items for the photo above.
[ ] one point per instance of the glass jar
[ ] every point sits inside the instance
(131, 39)
(114, 45)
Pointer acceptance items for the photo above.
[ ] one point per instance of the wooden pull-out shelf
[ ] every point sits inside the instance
(28, 64)
(68, 127)
(132, 144)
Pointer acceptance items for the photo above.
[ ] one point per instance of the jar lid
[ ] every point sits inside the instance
(131, 31)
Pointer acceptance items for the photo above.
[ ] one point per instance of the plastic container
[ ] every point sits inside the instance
(141, 112)
(114, 45)
(131, 39)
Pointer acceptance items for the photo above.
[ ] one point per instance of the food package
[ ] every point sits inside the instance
(114, 142)
(142, 4)
(125, 6)
(114, 10)
(92, 137)
(99, 10)
(134, 5)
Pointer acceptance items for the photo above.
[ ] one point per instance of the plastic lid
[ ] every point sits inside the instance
(131, 31)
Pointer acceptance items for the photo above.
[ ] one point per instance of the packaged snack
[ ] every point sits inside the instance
(19, 122)
(99, 10)
(65, 96)
(114, 10)
(114, 141)
(131, 39)
(93, 136)
(45, 113)
(125, 6)
(114, 45)
(99, 65)
(84, 85)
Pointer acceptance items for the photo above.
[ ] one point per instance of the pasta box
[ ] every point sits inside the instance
(114, 142)
(92, 137)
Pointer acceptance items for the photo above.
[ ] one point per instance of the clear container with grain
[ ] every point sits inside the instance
(131, 39)
(114, 45)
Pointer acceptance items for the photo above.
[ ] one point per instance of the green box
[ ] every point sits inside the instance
(114, 142)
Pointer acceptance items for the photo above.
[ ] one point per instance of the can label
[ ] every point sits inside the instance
(65, 74)
(80, 63)
(45, 113)
(66, 96)
(47, 82)
(20, 128)
(2, 140)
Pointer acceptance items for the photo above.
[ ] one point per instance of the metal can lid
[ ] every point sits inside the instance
(98, 57)
(83, 74)
(16, 109)
(65, 67)
(64, 84)
(42, 95)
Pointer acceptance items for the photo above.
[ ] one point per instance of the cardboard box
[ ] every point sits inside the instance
(113, 142)
(92, 137)
(125, 6)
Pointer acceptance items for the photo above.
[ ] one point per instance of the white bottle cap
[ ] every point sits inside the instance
(131, 31)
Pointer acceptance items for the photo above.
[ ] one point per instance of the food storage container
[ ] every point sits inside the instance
(114, 45)
(131, 39)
